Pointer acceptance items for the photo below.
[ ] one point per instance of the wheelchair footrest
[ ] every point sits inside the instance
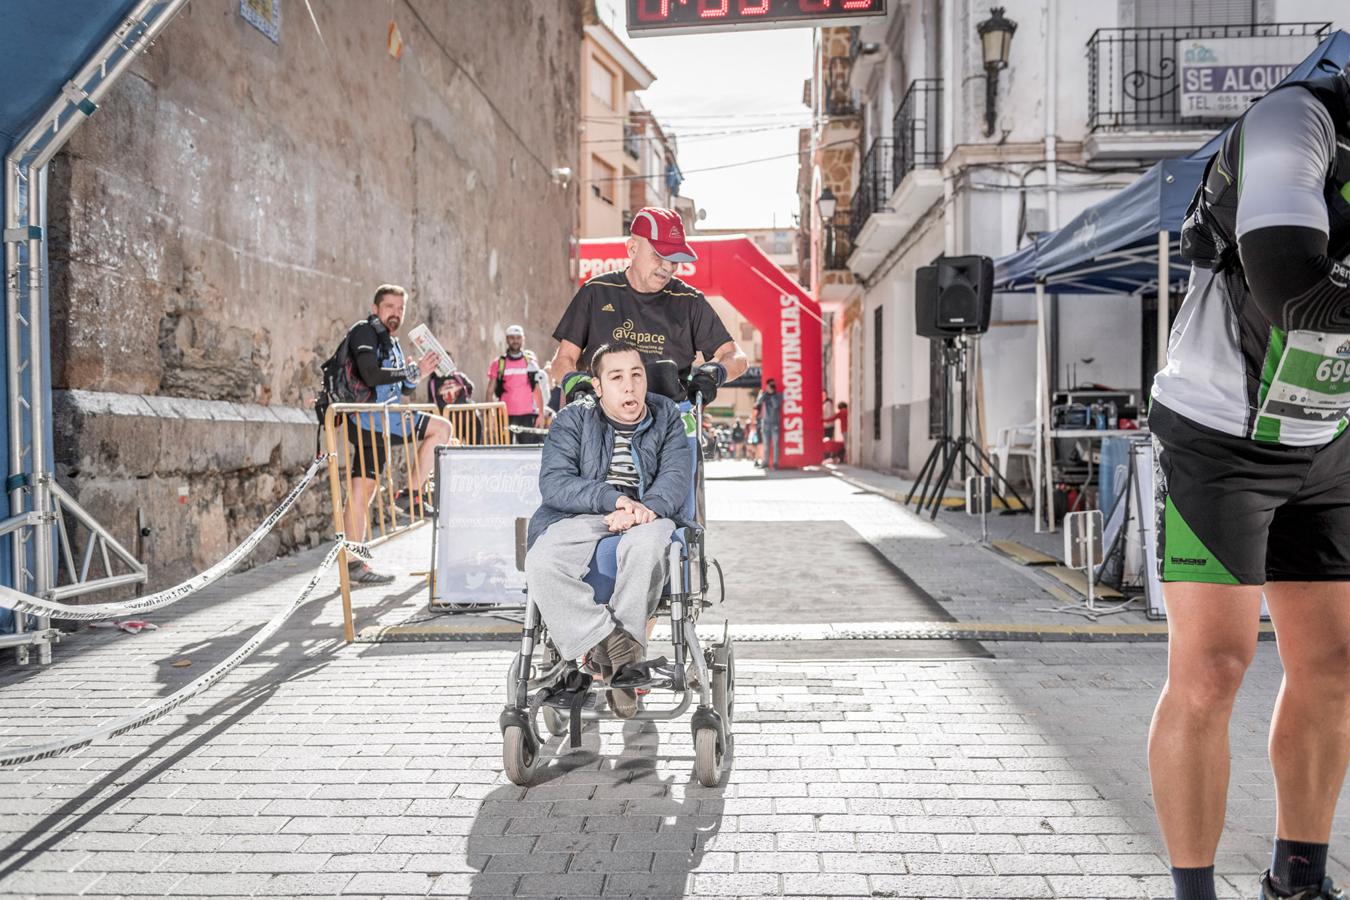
(564, 700)
(573, 693)
(642, 674)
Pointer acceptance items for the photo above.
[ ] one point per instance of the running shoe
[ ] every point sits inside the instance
(360, 574)
(1327, 891)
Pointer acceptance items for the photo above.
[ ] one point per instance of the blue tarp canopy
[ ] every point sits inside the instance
(1112, 247)
(42, 47)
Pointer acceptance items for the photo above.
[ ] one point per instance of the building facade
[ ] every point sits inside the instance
(952, 158)
(229, 211)
(628, 159)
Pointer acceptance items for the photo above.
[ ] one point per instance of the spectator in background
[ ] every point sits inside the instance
(842, 418)
(518, 382)
(738, 440)
(456, 389)
(769, 416)
(380, 365)
(827, 416)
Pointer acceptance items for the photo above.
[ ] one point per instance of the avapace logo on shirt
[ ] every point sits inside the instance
(646, 341)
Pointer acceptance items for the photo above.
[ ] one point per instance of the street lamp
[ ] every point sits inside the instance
(996, 34)
(827, 203)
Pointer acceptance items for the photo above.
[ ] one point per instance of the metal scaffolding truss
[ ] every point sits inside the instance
(43, 516)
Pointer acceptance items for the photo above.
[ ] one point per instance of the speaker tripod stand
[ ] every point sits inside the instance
(931, 484)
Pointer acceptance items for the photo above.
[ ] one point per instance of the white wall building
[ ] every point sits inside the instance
(1087, 102)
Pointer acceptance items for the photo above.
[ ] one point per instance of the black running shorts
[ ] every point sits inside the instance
(367, 447)
(1231, 510)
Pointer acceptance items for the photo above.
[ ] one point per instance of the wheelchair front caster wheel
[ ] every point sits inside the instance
(555, 721)
(707, 758)
(520, 758)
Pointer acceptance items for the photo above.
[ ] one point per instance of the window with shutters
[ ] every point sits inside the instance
(1170, 13)
(603, 82)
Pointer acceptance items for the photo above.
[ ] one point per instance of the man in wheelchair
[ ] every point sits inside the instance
(614, 463)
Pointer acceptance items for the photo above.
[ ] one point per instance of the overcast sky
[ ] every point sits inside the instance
(748, 83)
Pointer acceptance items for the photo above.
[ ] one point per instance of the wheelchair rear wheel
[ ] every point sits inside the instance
(520, 758)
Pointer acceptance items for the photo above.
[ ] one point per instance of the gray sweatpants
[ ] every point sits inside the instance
(558, 561)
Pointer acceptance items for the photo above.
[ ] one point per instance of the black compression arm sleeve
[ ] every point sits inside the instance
(1293, 281)
(368, 367)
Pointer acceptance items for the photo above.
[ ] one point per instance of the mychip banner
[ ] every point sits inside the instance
(480, 492)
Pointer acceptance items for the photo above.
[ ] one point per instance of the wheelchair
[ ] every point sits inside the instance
(564, 694)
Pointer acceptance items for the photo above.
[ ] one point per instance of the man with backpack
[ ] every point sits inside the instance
(518, 382)
(369, 367)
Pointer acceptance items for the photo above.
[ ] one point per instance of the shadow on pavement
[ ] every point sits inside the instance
(294, 661)
(635, 824)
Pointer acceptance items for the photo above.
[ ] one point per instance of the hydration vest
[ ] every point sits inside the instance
(1209, 234)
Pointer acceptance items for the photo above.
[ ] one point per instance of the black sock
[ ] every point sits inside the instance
(1297, 865)
(1194, 884)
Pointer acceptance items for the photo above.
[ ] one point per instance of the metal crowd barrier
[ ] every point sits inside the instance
(473, 424)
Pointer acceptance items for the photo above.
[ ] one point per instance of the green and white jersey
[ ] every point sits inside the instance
(1229, 367)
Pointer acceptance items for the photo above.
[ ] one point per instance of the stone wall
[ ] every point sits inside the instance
(234, 202)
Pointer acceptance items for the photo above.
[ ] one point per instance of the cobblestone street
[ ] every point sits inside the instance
(860, 767)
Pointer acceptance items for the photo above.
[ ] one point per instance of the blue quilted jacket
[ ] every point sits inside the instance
(576, 460)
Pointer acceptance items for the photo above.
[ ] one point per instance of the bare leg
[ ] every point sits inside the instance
(1310, 732)
(358, 502)
(439, 434)
(1211, 641)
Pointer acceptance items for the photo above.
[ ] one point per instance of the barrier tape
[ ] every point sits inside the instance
(135, 720)
(93, 612)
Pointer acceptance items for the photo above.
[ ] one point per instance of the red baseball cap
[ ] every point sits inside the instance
(665, 229)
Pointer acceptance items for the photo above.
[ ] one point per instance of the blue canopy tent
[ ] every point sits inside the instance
(58, 60)
(1111, 247)
(1126, 244)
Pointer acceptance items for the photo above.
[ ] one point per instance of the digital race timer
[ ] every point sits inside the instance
(647, 17)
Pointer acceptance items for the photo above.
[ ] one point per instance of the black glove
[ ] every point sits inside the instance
(705, 380)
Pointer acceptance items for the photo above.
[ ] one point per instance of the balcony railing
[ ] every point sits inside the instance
(1133, 73)
(917, 128)
(836, 244)
(874, 185)
(631, 137)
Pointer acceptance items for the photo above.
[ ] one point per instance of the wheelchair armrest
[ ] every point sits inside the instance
(522, 540)
(691, 533)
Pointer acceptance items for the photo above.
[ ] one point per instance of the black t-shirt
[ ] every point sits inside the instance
(673, 323)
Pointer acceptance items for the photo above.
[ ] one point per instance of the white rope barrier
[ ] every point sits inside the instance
(123, 725)
(93, 612)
